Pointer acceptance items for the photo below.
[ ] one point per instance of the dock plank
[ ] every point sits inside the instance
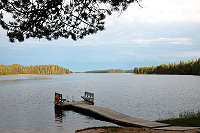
(119, 117)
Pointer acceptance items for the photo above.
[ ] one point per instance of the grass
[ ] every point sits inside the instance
(113, 129)
(185, 119)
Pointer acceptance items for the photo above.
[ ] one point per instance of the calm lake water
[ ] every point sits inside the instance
(26, 101)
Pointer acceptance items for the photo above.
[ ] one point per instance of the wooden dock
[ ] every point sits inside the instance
(111, 115)
(87, 107)
(118, 118)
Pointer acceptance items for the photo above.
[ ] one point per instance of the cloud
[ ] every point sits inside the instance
(157, 11)
(126, 53)
(180, 41)
(87, 41)
(182, 56)
(84, 43)
(188, 54)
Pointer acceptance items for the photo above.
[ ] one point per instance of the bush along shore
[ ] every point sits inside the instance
(188, 119)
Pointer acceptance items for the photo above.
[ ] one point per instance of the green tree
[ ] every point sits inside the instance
(190, 67)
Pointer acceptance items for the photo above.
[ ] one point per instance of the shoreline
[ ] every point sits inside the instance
(116, 129)
(110, 73)
(36, 74)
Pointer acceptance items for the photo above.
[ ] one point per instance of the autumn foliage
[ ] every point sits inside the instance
(36, 69)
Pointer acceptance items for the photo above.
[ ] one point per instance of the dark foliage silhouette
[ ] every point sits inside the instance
(52, 19)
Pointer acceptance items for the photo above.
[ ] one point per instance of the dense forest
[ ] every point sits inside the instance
(36, 69)
(107, 71)
(184, 68)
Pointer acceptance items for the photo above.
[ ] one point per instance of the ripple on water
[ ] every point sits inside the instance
(26, 101)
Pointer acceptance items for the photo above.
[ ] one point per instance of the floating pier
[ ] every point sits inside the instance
(110, 115)
(88, 107)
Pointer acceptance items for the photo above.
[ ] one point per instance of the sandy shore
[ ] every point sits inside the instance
(132, 130)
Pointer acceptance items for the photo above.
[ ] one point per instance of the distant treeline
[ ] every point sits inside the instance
(36, 69)
(110, 71)
(184, 68)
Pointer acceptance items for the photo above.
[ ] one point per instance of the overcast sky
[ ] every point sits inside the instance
(162, 32)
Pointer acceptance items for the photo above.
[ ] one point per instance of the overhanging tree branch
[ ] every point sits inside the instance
(52, 19)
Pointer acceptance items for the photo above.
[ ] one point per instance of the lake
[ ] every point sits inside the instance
(26, 101)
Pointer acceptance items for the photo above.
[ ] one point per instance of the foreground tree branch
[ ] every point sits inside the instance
(52, 19)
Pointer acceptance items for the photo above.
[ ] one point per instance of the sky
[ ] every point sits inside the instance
(162, 32)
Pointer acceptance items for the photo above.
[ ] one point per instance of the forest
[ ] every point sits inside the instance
(183, 68)
(15, 69)
(107, 71)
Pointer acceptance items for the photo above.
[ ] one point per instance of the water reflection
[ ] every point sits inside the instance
(22, 80)
(71, 120)
(59, 114)
(144, 96)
